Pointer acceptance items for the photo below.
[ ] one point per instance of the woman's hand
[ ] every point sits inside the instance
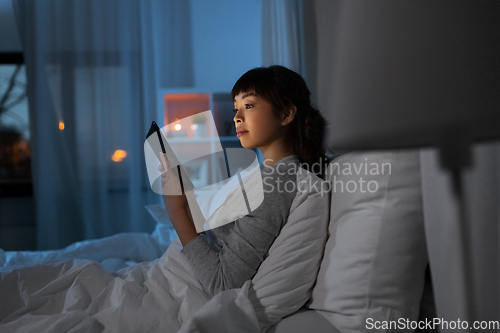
(175, 202)
(170, 182)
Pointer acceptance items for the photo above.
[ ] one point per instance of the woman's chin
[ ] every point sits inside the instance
(246, 145)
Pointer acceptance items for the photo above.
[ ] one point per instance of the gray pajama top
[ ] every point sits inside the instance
(231, 254)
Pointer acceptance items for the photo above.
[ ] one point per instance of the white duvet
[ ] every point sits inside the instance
(79, 295)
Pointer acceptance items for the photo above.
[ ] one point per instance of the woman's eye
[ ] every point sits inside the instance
(235, 110)
(248, 106)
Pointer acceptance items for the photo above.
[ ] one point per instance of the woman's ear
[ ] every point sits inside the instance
(289, 115)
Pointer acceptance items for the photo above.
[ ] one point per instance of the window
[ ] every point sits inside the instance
(17, 208)
(15, 156)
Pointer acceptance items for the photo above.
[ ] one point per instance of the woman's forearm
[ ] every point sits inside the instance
(178, 211)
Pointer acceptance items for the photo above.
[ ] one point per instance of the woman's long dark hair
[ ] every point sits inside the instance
(284, 88)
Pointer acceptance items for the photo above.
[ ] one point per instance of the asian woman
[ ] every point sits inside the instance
(272, 112)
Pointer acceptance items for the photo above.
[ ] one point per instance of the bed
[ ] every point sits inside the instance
(362, 262)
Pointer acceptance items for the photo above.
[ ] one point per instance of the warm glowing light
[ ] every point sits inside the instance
(177, 127)
(119, 155)
(61, 125)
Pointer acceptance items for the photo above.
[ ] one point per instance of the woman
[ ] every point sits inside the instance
(273, 113)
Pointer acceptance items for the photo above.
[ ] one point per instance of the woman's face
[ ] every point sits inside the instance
(256, 124)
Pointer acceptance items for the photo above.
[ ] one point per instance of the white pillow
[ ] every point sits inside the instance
(284, 281)
(375, 257)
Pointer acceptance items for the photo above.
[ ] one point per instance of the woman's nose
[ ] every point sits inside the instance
(238, 118)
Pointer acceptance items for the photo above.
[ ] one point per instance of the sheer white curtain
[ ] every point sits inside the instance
(95, 66)
(289, 38)
(282, 34)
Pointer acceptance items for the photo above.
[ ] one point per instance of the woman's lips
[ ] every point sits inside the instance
(241, 133)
